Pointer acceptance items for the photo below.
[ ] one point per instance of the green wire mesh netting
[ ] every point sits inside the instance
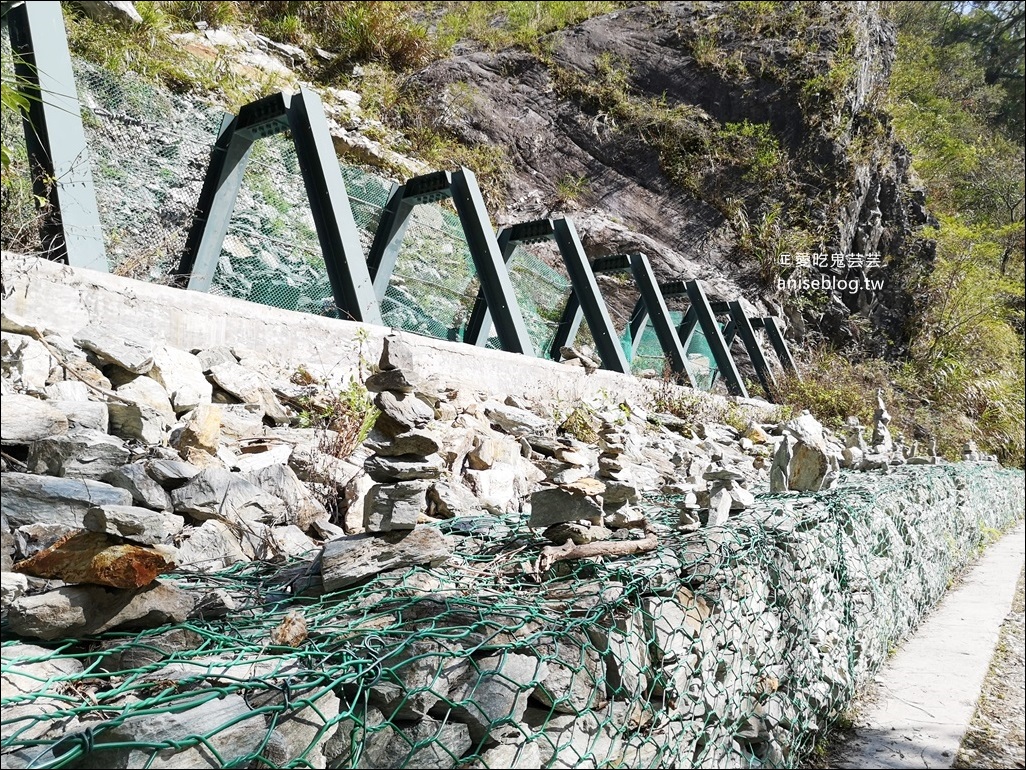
(726, 647)
(149, 150)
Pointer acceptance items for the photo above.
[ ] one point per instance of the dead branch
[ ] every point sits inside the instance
(569, 550)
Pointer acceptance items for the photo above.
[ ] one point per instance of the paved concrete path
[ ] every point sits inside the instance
(925, 696)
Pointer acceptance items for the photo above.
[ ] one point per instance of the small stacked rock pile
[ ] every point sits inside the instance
(885, 451)
(405, 460)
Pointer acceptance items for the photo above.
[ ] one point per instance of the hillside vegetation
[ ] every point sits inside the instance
(830, 96)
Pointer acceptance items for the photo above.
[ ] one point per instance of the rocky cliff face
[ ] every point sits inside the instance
(715, 137)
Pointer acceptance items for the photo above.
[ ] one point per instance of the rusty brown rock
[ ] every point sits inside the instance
(97, 558)
(291, 632)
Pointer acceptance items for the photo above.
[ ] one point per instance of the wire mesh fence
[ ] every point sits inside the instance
(648, 354)
(149, 150)
(731, 646)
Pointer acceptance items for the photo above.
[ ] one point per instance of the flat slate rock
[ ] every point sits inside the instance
(401, 413)
(556, 505)
(404, 467)
(235, 733)
(96, 558)
(116, 348)
(144, 488)
(412, 443)
(349, 560)
(395, 354)
(140, 525)
(171, 474)
(84, 453)
(77, 610)
(389, 507)
(394, 380)
(216, 493)
(25, 419)
(516, 421)
(30, 499)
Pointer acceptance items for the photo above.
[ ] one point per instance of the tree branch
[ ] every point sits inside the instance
(570, 551)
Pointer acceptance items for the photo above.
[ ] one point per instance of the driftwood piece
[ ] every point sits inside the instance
(569, 550)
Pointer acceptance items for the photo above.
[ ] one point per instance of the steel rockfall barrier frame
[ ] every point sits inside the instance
(57, 150)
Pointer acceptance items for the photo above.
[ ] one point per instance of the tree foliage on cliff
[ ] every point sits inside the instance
(956, 98)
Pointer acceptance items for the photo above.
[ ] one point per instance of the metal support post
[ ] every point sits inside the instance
(729, 333)
(569, 325)
(660, 317)
(228, 159)
(638, 323)
(480, 322)
(607, 342)
(751, 343)
(388, 239)
(333, 216)
(711, 330)
(687, 327)
(55, 139)
(491, 269)
(776, 338)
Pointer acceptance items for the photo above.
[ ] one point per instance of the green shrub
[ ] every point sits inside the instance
(833, 388)
(346, 416)
(501, 24)
(377, 30)
(216, 13)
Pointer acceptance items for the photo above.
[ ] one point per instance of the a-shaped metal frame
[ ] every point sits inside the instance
(303, 115)
(701, 314)
(651, 300)
(582, 282)
(738, 324)
(484, 249)
(741, 325)
(54, 136)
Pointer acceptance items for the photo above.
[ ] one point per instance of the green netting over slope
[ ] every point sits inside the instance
(726, 647)
(149, 150)
(542, 292)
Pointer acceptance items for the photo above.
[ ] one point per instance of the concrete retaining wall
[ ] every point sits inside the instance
(66, 299)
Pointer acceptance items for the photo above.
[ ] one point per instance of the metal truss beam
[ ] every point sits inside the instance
(333, 216)
(747, 334)
(776, 338)
(651, 306)
(489, 262)
(659, 315)
(713, 336)
(228, 159)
